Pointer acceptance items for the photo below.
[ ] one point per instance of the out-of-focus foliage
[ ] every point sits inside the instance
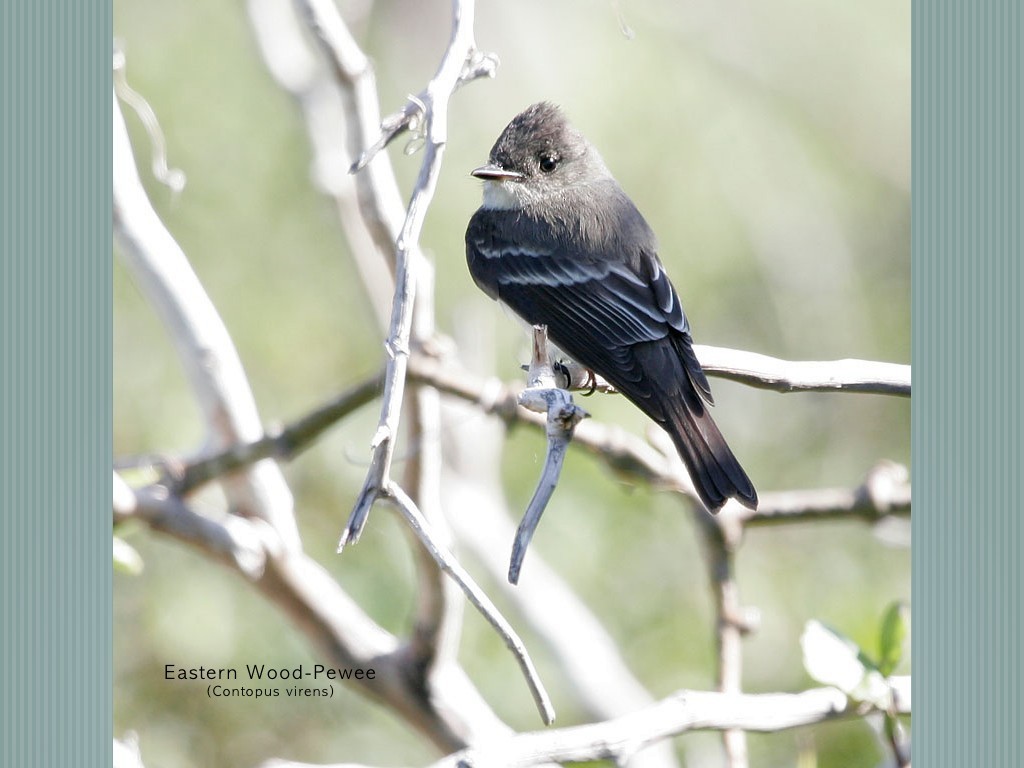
(768, 145)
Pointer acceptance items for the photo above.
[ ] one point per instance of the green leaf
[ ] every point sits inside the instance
(892, 636)
(833, 659)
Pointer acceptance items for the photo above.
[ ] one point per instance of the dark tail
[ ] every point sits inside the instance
(673, 390)
(716, 474)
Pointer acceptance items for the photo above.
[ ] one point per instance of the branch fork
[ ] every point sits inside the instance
(542, 396)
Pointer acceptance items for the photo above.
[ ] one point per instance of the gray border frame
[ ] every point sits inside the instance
(55, 391)
(966, 409)
(55, 337)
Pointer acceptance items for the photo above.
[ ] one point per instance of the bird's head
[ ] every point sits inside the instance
(538, 156)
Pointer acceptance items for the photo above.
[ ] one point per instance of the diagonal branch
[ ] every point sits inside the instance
(452, 716)
(451, 712)
(885, 492)
(351, 84)
(205, 349)
(281, 443)
(434, 100)
(409, 116)
(476, 596)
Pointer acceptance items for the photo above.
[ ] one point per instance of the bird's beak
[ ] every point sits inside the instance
(494, 172)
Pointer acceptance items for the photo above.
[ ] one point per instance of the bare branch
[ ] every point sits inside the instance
(730, 625)
(235, 541)
(335, 105)
(476, 596)
(450, 712)
(885, 491)
(446, 708)
(379, 198)
(576, 640)
(766, 372)
(542, 396)
(370, 206)
(461, 49)
(682, 712)
(438, 618)
(410, 115)
(281, 443)
(204, 347)
(635, 458)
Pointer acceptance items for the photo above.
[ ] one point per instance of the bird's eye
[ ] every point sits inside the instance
(548, 163)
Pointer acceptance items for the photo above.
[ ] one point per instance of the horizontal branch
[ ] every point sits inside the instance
(682, 712)
(766, 372)
(502, 400)
(885, 491)
(679, 713)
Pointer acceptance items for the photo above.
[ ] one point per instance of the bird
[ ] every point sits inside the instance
(557, 240)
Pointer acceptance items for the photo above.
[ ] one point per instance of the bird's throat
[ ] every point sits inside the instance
(499, 196)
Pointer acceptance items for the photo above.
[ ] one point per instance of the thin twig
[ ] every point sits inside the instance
(409, 116)
(338, 106)
(476, 596)
(573, 636)
(263, 546)
(542, 396)
(435, 99)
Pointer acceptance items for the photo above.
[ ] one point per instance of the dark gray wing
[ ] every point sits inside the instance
(609, 304)
(597, 306)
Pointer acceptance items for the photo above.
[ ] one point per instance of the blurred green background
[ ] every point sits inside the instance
(767, 143)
